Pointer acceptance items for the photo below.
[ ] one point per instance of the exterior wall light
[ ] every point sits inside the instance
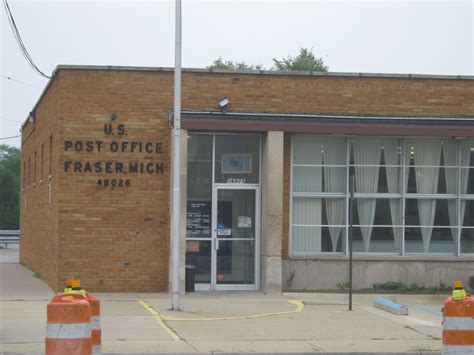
(223, 103)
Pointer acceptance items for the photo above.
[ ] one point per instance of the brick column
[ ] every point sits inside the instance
(272, 212)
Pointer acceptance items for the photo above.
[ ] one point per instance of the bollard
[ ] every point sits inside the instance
(458, 326)
(68, 326)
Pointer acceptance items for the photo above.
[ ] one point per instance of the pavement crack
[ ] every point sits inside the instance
(190, 345)
(420, 332)
(313, 346)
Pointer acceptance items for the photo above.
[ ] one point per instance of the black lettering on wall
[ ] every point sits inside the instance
(108, 129)
(114, 146)
(121, 129)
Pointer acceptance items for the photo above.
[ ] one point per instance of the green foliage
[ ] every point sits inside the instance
(304, 61)
(9, 187)
(219, 63)
(400, 287)
(343, 286)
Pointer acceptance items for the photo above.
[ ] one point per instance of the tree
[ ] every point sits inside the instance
(304, 61)
(9, 187)
(219, 63)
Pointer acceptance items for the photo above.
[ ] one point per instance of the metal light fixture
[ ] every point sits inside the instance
(32, 116)
(223, 103)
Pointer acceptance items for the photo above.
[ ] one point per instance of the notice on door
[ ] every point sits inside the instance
(198, 219)
(244, 222)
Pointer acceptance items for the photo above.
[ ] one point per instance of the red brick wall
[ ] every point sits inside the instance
(330, 94)
(115, 239)
(38, 211)
(118, 239)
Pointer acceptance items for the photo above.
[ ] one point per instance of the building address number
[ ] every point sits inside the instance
(114, 183)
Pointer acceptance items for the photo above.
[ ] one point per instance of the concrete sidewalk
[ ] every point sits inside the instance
(226, 322)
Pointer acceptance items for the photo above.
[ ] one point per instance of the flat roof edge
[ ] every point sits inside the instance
(267, 116)
(266, 72)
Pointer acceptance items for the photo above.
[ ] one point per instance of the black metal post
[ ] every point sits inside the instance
(351, 205)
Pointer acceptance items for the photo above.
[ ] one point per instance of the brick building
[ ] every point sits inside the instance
(265, 181)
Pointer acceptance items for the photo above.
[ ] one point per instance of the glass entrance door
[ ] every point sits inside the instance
(235, 229)
(223, 212)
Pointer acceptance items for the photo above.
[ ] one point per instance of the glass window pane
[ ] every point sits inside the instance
(420, 151)
(335, 179)
(236, 262)
(307, 149)
(237, 159)
(199, 186)
(467, 149)
(430, 212)
(467, 181)
(198, 254)
(307, 211)
(390, 179)
(199, 181)
(314, 240)
(467, 210)
(429, 240)
(385, 211)
(383, 240)
(467, 241)
(236, 213)
(448, 180)
(424, 180)
(307, 179)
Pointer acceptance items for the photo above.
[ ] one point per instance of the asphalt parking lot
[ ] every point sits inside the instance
(224, 322)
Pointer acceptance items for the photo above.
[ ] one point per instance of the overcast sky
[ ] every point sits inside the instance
(424, 37)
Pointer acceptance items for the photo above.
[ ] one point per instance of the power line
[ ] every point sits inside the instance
(18, 81)
(19, 41)
(4, 138)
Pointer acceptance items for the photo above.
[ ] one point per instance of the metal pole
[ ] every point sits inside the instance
(176, 163)
(351, 206)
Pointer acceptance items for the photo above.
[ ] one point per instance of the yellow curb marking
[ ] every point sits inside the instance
(159, 319)
(299, 308)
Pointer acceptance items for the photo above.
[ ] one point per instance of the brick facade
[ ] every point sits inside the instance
(118, 239)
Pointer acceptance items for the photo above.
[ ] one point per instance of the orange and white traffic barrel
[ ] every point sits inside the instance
(69, 326)
(96, 331)
(458, 326)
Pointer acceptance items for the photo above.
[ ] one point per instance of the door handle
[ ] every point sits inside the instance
(217, 244)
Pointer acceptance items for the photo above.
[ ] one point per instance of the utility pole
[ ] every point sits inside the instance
(176, 163)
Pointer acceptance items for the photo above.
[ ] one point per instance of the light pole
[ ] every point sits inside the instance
(176, 164)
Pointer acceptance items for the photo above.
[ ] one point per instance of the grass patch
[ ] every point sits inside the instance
(400, 287)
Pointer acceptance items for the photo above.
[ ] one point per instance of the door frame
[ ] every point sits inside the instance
(258, 199)
(232, 287)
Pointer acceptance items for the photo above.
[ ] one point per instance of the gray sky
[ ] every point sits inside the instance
(423, 37)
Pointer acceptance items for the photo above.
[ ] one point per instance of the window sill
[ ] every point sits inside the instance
(387, 257)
